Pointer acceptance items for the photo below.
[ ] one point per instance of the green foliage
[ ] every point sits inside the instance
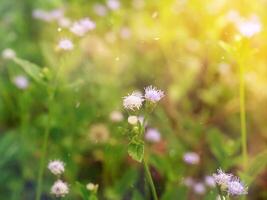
(136, 150)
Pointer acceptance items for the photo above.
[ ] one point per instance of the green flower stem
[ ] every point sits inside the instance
(220, 192)
(44, 152)
(150, 180)
(243, 114)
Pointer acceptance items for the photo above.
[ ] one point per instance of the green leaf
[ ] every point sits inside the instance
(31, 69)
(136, 150)
(257, 165)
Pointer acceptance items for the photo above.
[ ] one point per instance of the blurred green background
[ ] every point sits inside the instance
(190, 49)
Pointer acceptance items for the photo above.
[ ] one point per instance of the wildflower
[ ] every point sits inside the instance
(199, 188)
(56, 167)
(235, 187)
(113, 4)
(116, 116)
(133, 101)
(100, 10)
(92, 187)
(249, 28)
(188, 181)
(48, 16)
(209, 180)
(59, 188)
(64, 22)
(222, 179)
(8, 54)
(191, 158)
(99, 133)
(21, 82)
(81, 27)
(132, 120)
(152, 94)
(152, 135)
(65, 44)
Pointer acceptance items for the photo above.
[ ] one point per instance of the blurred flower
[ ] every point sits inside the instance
(113, 4)
(132, 120)
(191, 158)
(100, 9)
(64, 22)
(59, 188)
(65, 44)
(116, 116)
(56, 167)
(133, 101)
(99, 133)
(152, 94)
(152, 135)
(188, 181)
(8, 54)
(209, 180)
(48, 16)
(222, 178)
(125, 33)
(235, 187)
(250, 27)
(92, 187)
(21, 82)
(81, 27)
(199, 188)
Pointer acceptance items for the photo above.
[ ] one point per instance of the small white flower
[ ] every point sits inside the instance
(132, 120)
(152, 135)
(191, 158)
(64, 22)
(65, 44)
(113, 4)
(8, 54)
(209, 180)
(153, 95)
(249, 28)
(59, 188)
(92, 187)
(222, 178)
(235, 187)
(116, 116)
(56, 167)
(133, 101)
(21, 82)
(199, 188)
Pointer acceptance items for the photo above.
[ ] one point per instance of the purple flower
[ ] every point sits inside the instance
(235, 187)
(153, 94)
(21, 82)
(152, 135)
(199, 188)
(191, 158)
(222, 178)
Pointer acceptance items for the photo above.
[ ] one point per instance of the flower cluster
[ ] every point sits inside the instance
(59, 188)
(229, 183)
(135, 100)
(199, 186)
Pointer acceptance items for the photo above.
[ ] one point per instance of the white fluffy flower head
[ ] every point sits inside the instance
(222, 178)
(56, 167)
(133, 101)
(235, 187)
(60, 188)
(8, 54)
(153, 94)
(132, 119)
(65, 44)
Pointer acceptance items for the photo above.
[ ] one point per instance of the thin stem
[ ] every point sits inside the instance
(243, 115)
(220, 192)
(44, 152)
(150, 180)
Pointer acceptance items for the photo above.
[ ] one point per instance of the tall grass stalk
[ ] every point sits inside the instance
(150, 180)
(243, 114)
